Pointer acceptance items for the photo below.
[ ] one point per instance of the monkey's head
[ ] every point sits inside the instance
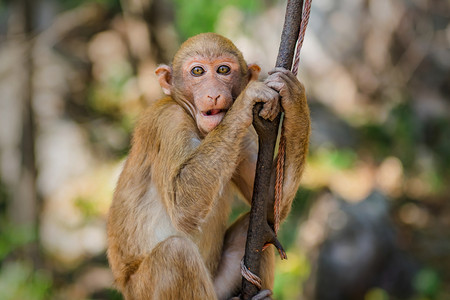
(208, 73)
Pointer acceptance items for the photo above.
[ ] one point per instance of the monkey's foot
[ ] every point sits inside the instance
(274, 241)
(279, 247)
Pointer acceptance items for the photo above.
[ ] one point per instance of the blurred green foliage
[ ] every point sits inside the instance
(290, 274)
(289, 229)
(110, 294)
(13, 237)
(19, 281)
(87, 207)
(105, 104)
(376, 294)
(376, 140)
(336, 158)
(427, 283)
(397, 136)
(402, 135)
(436, 136)
(197, 16)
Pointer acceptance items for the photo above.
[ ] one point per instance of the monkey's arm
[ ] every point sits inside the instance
(190, 172)
(297, 131)
(244, 175)
(297, 127)
(193, 171)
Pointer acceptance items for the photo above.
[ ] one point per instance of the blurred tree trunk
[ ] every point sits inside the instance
(156, 18)
(24, 208)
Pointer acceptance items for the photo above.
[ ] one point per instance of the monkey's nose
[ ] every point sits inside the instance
(214, 98)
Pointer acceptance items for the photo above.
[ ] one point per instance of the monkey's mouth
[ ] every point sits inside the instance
(213, 112)
(211, 118)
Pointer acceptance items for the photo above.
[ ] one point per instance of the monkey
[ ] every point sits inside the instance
(192, 152)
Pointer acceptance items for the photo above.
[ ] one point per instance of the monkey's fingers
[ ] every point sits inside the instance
(275, 85)
(271, 107)
(291, 90)
(274, 241)
(282, 70)
(280, 249)
(286, 76)
(264, 113)
(278, 69)
(289, 81)
(270, 110)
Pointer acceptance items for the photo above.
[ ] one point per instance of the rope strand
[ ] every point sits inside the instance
(249, 276)
(279, 180)
(301, 35)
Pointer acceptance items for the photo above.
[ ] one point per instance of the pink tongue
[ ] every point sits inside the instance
(215, 111)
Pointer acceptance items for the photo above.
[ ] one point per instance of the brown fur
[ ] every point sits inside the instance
(167, 226)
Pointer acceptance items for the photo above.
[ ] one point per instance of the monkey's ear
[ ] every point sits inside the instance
(253, 72)
(164, 74)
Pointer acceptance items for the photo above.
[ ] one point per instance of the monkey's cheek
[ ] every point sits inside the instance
(208, 123)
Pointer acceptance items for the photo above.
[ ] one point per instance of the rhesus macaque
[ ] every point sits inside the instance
(192, 151)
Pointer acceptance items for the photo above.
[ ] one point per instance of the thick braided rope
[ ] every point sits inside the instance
(282, 146)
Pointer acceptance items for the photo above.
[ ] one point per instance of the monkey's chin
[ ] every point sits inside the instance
(207, 123)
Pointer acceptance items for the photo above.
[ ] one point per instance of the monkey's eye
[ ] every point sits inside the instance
(197, 71)
(223, 70)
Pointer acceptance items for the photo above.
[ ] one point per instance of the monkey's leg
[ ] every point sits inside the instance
(174, 270)
(228, 279)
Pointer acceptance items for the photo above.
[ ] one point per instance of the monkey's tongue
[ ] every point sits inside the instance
(213, 112)
(212, 118)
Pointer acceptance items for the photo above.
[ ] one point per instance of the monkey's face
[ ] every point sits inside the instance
(208, 74)
(212, 85)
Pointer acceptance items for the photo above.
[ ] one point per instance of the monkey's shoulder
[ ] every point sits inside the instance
(164, 122)
(165, 113)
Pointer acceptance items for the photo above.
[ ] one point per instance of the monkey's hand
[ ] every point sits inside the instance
(258, 92)
(291, 90)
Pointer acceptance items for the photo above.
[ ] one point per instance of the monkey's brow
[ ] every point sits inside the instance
(229, 57)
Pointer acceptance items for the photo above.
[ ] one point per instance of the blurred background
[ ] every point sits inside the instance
(372, 217)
